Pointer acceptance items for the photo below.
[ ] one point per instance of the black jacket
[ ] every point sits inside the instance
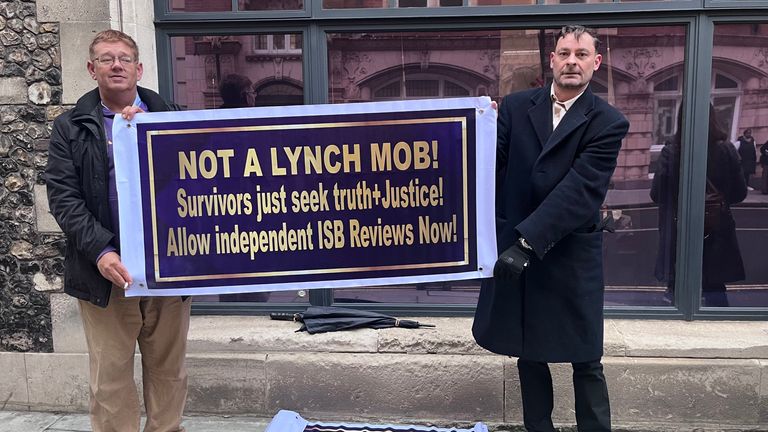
(77, 178)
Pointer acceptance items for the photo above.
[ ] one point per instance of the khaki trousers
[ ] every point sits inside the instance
(160, 326)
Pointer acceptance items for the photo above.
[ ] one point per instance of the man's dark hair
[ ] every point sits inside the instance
(577, 31)
(233, 90)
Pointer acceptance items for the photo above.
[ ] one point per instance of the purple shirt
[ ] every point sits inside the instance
(109, 118)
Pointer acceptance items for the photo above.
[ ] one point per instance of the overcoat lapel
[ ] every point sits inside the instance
(575, 117)
(541, 109)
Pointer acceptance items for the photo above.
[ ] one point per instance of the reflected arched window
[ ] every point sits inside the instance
(276, 93)
(726, 93)
(420, 87)
(668, 93)
(598, 87)
(670, 84)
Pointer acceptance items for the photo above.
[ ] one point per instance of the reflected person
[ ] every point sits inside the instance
(236, 92)
(764, 166)
(721, 261)
(748, 155)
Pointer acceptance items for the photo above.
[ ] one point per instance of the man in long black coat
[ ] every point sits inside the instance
(557, 150)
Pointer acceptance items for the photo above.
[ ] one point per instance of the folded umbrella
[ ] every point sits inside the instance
(321, 319)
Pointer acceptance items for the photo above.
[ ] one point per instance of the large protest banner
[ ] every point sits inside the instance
(286, 198)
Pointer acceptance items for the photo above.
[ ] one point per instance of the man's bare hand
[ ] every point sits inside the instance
(113, 269)
(130, 111)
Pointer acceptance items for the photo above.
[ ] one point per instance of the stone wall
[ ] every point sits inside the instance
(31, 259)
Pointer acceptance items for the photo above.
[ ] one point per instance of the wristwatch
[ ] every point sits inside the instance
(524, 243)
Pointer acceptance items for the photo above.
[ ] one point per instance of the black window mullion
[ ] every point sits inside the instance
(693, 169)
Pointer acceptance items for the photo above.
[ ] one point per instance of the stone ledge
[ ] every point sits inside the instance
(623, 338)
(659, 393)
(663, 390)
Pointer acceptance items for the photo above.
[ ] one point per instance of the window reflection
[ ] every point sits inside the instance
(500, 2)
(266, 5)
(231, 71)
(200, 5)
(642, 75)
(576, 1)
(282, 297)
(234, 71)
(738, 95)
(416, 65)
(354, 4)
(458, 293)
(365, 4)
(390, 66)
(226, 5)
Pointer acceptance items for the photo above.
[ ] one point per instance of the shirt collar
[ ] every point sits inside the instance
(108, 113)
(569, 103)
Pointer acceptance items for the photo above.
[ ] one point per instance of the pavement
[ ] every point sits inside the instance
(30, 421)
(35, 421)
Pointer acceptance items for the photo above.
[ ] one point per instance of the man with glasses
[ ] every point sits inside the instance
(80, 177)
(556, 151)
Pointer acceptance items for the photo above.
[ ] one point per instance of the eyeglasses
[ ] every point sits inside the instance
(110, 60)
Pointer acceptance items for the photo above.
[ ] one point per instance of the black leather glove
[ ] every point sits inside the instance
(512, 262)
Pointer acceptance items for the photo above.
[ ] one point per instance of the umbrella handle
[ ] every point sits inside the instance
(284, 316)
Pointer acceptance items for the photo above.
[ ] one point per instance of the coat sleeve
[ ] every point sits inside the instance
(668, 170)
(737, 186)
(580, 193)
(65, 197)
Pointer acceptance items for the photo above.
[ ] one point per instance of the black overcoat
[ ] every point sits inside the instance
(550, 187)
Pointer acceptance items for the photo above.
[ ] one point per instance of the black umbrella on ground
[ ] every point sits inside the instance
(321, 319)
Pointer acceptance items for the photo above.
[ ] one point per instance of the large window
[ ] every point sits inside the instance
(283, 52)
(635, 77)
(734, 274)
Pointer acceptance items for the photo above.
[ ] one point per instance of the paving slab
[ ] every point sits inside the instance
(13, 383)
(71, 423)
(219, 424)
(15, 421)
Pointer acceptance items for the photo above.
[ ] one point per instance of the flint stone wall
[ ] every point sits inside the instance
(31, 259)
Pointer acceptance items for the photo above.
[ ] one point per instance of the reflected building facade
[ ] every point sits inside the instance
(643, 75)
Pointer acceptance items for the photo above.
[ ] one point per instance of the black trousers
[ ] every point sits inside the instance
(593, 410)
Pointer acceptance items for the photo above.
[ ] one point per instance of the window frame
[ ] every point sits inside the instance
(315, 23)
